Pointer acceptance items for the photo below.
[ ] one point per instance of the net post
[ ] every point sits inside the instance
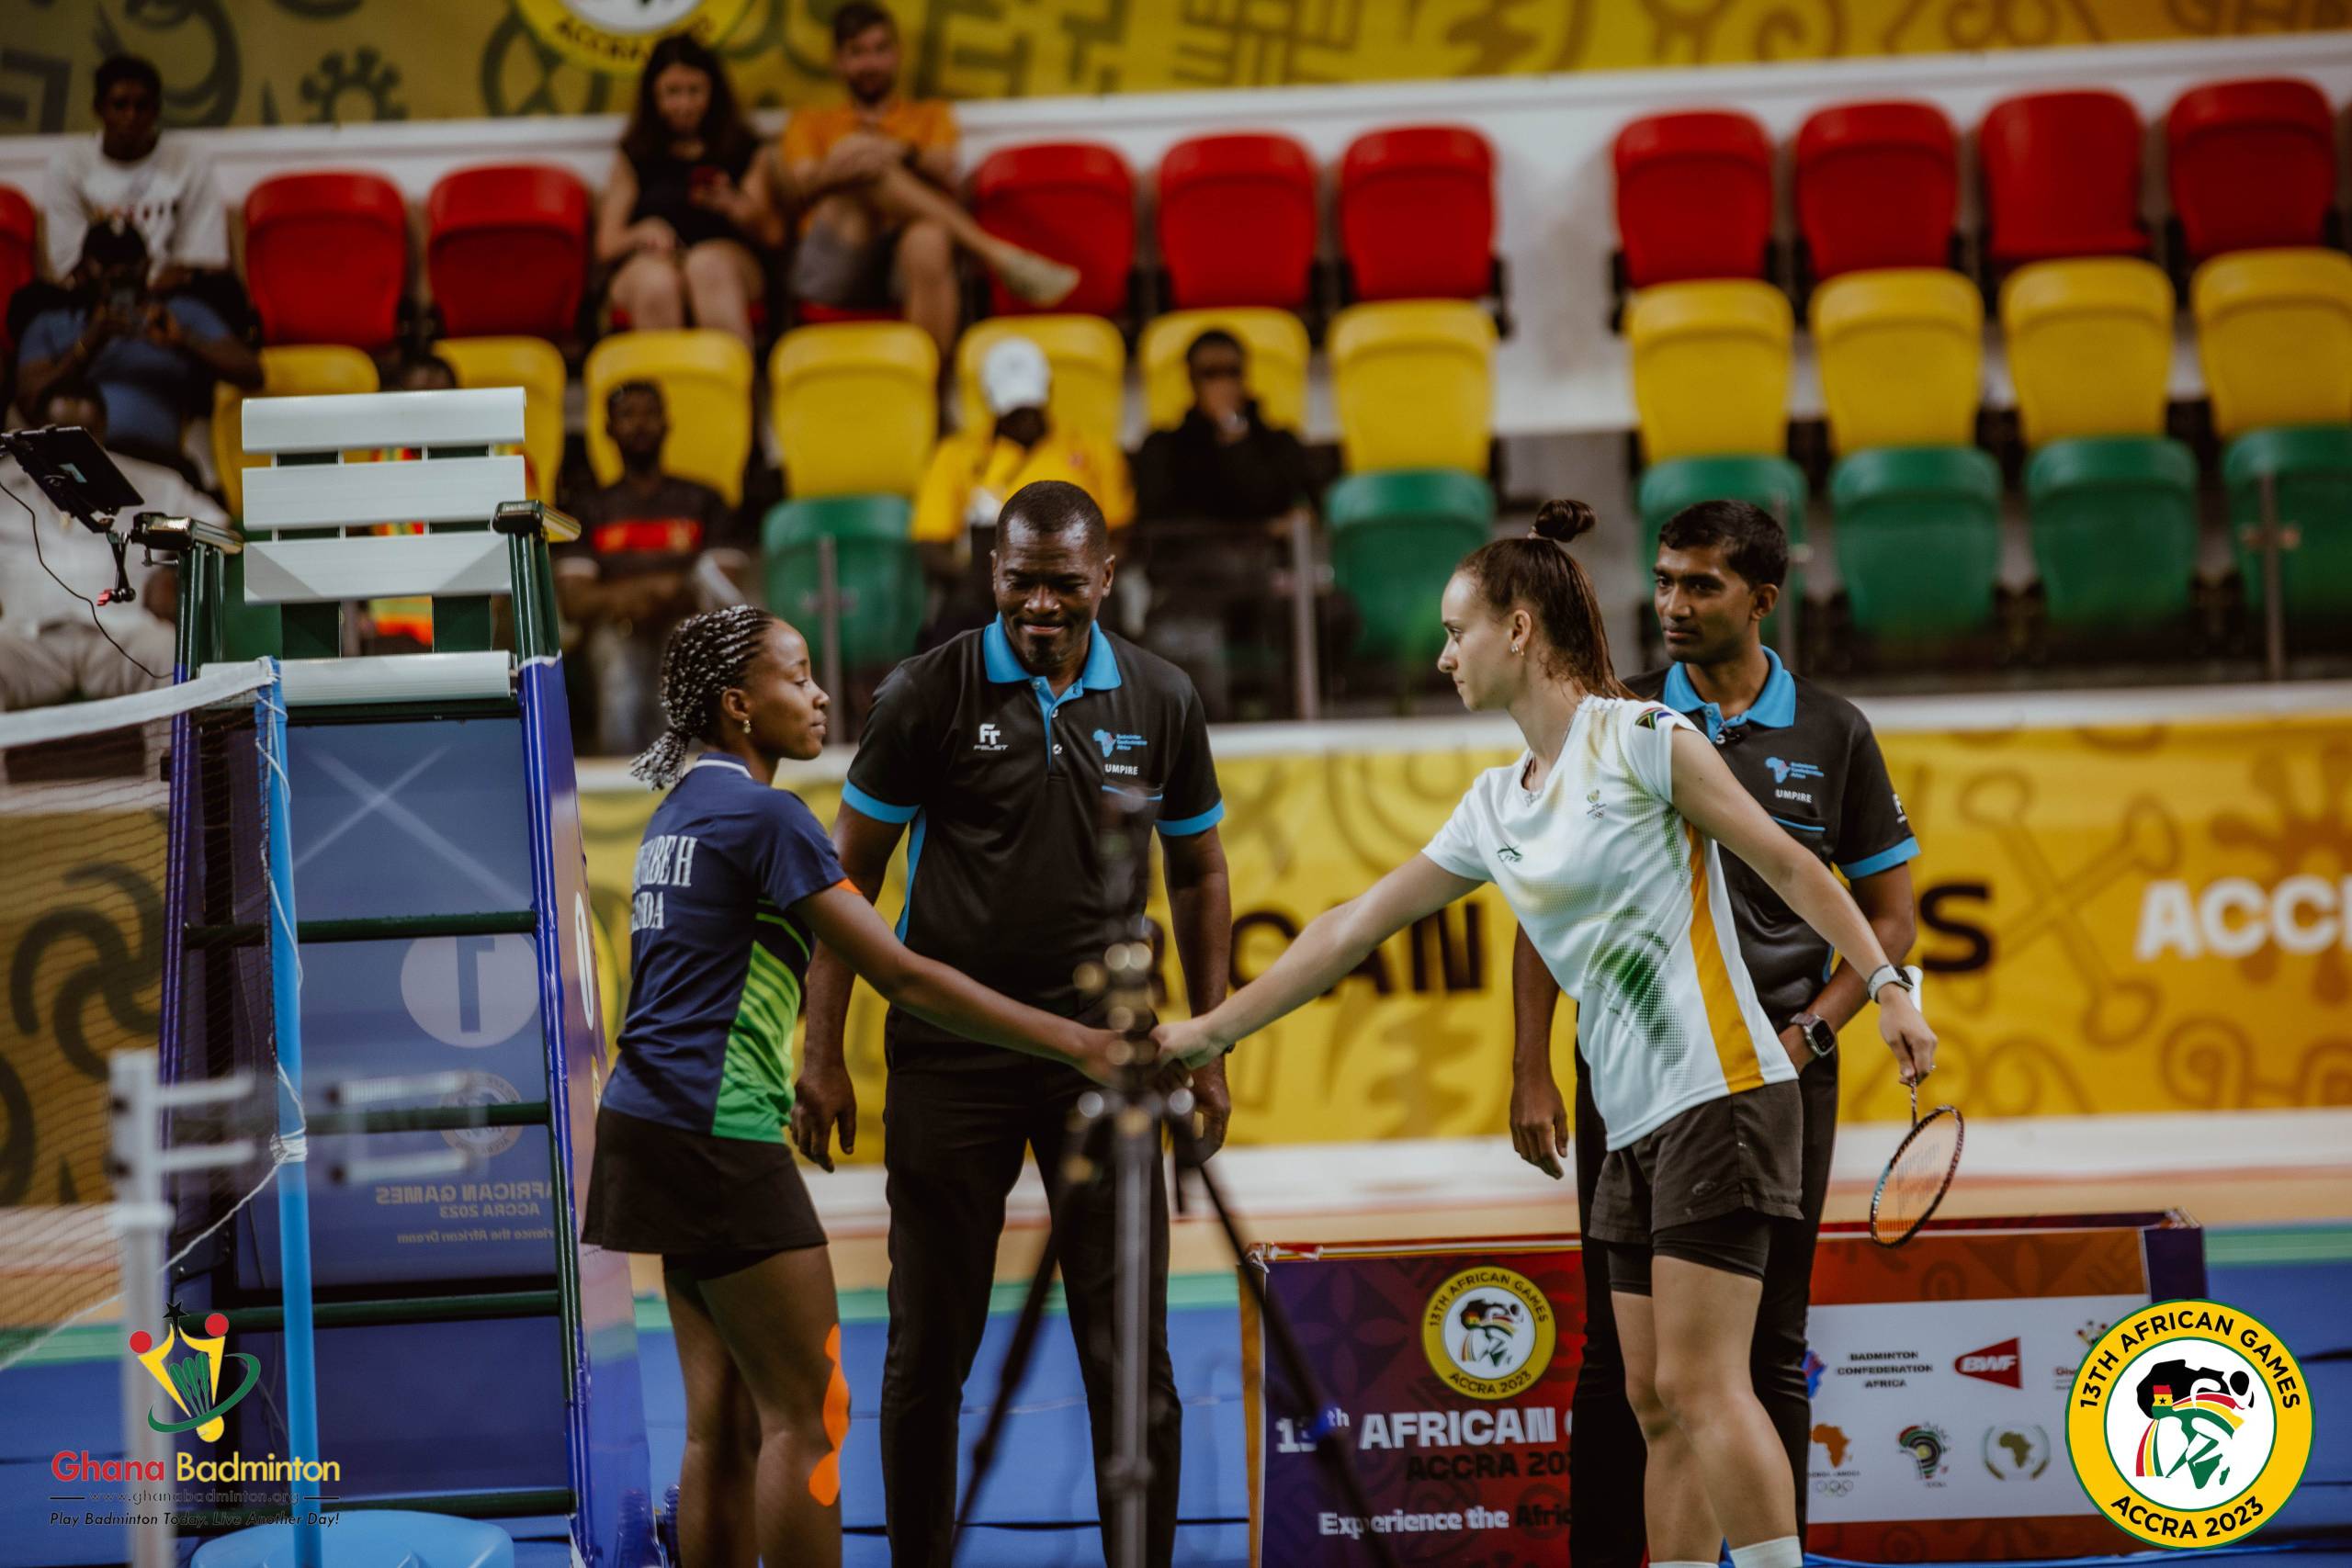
(143, 1223)
(293, 1179)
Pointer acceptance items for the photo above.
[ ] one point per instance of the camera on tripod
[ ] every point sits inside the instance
(78, 477)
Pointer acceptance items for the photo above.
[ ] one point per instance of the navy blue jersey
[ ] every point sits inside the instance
(716, 954)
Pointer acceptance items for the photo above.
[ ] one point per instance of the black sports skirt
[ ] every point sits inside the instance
(659, 1189)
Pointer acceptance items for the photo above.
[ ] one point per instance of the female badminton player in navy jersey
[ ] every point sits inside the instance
(735, 884)
(1601, 837)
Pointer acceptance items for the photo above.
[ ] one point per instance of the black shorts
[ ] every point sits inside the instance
(708, 1206)
(1743, 1151)
(1738, 1243)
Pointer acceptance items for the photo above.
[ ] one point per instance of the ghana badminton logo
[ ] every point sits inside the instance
(188, 1367)
(1488, 1333)
(2189, 1423)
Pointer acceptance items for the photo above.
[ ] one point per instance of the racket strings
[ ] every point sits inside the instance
(1918, 1175)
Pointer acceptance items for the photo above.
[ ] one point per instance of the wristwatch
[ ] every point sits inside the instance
(1887, 974)
(1819, 1038)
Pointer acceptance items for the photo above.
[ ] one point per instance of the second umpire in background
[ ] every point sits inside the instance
(1810, 759)
(999, 748)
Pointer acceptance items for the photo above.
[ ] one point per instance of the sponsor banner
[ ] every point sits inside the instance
(322, 61)
(1939, 1410)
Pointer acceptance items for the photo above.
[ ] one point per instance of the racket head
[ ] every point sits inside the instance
(1916, 1177)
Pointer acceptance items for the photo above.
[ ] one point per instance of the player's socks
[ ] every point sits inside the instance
(1781, 1551)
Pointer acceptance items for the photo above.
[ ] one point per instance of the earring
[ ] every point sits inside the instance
(1518, 651)
(747, 727)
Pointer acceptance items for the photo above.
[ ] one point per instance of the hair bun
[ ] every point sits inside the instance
(1561, 521)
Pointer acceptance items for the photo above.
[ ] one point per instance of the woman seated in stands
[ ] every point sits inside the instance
(690, 204)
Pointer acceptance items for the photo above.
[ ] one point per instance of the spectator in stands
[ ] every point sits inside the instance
(691, 204)
(876, 179)
(161, 185)
(649, 543)
(405, 625)
(1215, 499)
(974, 471)
(56, 643)
(155, 358)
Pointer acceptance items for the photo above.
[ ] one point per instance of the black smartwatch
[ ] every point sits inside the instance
(1819, 1038)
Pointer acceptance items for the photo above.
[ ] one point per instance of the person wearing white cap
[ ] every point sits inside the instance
(973, 471)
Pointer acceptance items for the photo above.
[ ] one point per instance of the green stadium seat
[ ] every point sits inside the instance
(1918, 539)
(2114, 529)
(874, 567)
(1773, 483)
(1395, 538)
(2309, 467)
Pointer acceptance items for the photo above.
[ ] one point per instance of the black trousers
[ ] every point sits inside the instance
(955, 1121)
(1605, 1446)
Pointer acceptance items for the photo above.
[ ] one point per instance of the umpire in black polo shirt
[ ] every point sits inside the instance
(998, 747)
(1810, 758)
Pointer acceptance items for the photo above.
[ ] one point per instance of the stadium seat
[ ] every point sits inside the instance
(1071, 200)
(534, 365)
(1395, 539)
(2274, 329)
(1417, 213)
(1694, 196)
(295, 371)
(1238, 222)
(1877, 186)
(2251, 165)
(2089, 347)
(875, 569)
(2114, 529)
(1901, 357)
(811, 314)
(2310, 473)
(1918, 539)
(856, 408)
(1711, 368)
(19, 253)
(1275, 342)
(1413, 382)
(1773, 483)
(1089, 360)
(705, 379)
(506, 250)
(326, 258)
(2062, 178)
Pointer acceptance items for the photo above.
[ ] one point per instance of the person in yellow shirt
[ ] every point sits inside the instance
(875, 181)
(973, 472)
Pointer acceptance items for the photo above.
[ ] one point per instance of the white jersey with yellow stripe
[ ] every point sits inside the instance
(1626, 902)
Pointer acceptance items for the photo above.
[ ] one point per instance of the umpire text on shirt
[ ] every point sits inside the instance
(1809, 758)
(999, 748)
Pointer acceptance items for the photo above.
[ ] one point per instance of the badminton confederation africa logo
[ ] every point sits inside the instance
(2189, 1424)
(1488, 1333)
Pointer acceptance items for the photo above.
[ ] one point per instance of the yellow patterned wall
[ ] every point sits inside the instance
(284, 62)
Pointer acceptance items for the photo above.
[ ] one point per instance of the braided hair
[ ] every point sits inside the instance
(706, 655)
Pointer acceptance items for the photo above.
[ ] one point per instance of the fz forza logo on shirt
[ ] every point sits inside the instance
(992, 738)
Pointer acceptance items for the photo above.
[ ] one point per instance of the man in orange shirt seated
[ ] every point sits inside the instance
(876, 180)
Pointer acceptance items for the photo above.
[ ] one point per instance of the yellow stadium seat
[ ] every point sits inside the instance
(705, 379)
(534, 365)
(2274, 329)
(2089, 347)
(1711, 370)
(1413, 382)
(1275, 341)
(296, 370)
(1089, 360)
(855, 406)
(1901, 357)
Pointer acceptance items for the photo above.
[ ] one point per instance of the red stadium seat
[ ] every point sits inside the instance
(1694, 197)
(2062, 178)
(2253, 165)
(1417, 213)
(506, 250)
(20, 252)
(1877, 186)
(1236, 221)
(326, 258)
(1071, 200)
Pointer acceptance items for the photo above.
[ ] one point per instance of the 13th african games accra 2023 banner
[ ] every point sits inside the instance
(339, 62)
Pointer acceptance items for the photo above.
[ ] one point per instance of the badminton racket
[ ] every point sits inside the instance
(1917, 1178)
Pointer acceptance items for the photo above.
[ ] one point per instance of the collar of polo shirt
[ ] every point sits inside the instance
(1099, 673)
(1775, 707)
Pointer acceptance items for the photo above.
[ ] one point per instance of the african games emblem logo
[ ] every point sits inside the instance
(1926, 1445)
(2189, 1424)
(188, 1366)
(1488, 1333)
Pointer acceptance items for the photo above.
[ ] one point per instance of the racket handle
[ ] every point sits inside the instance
(1918, 984)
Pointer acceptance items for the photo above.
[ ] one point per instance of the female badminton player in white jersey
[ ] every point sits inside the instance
(1601, 838)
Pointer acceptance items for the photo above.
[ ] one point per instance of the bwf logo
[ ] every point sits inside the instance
(1994, 1364)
